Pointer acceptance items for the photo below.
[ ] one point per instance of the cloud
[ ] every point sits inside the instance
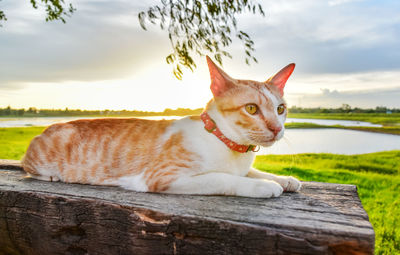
(345, 38)
(361, 98)
(102, 40)
(366, 89)
(341, 47)
(339, 2)
(347, 81)
(327, 92)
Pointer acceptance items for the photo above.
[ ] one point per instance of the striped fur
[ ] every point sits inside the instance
(170, 156)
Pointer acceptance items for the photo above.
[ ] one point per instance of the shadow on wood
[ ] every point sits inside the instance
(38, 217)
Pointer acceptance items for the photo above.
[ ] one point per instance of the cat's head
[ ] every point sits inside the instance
(254, 111)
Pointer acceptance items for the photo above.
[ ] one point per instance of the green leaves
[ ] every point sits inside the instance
(55, 10)
(2, 16)
(200, 27)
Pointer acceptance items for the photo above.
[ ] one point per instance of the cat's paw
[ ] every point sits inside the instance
(289, 183)
(262, 188)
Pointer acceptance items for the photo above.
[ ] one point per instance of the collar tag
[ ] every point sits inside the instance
(253, 148)
(210, 125)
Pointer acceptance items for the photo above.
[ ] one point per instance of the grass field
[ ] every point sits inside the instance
(377, 118)
(377, 176)
(390, 122)
(14, 141)
(394, 130)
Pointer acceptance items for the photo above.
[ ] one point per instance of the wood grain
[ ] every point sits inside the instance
(38, 217)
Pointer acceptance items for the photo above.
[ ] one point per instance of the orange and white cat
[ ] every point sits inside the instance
(207, 154)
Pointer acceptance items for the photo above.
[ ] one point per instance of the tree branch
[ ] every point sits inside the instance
(201, 27)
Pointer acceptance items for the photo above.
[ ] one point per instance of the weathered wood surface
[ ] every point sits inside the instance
(38, 217)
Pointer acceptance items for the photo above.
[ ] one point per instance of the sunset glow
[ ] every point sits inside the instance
(102, 59)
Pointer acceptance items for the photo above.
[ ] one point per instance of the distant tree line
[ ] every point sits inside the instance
(345, 108)
(33, 112)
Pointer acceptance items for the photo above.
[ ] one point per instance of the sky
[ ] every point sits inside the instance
(346, 52)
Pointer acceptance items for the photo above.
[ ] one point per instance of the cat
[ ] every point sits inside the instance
(209, 154)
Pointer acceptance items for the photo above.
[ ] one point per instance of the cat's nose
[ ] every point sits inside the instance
(275, 129)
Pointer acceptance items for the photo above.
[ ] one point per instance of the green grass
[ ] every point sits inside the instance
(15, 141)
(304, 125)
(394, 130)
(377, 118)
(377, 176)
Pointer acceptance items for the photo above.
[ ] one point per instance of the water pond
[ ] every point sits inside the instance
(331, 140)
(345, 123)
(45, 121)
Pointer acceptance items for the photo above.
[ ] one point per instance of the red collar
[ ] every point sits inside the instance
(211, 127)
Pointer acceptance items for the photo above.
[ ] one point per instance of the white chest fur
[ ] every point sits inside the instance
(214, 155)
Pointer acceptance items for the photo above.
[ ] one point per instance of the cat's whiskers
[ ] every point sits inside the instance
(287, 140)
(260, 136)
(293, 156)
(256, 132)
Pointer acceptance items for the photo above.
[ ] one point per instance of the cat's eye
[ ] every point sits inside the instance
(251, 108)
(280, 109)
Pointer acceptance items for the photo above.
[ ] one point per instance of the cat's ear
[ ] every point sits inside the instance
(279, 79)
(220, 81)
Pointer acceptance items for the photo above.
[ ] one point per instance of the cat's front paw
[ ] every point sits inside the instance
(289, 183)
(265, 189)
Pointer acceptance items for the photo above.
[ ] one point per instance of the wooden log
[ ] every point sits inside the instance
(38, 217)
